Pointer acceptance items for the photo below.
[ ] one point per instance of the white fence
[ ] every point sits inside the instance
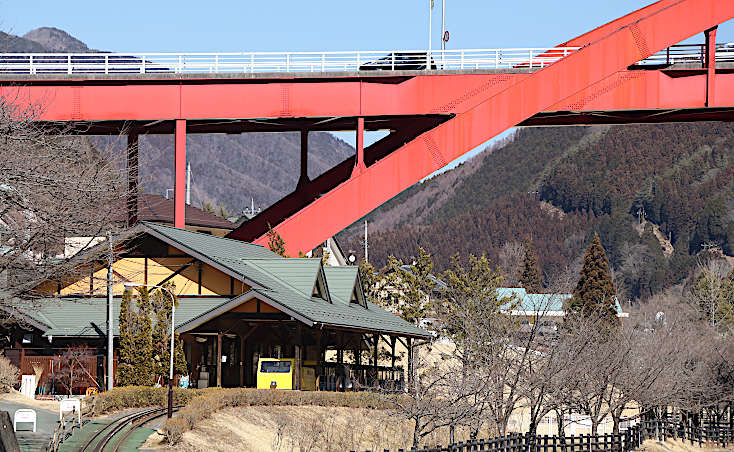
(288, 62)
(274, 62)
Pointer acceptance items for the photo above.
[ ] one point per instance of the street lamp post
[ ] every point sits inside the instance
(173, 317)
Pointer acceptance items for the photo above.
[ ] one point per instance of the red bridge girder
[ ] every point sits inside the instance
(436, 117)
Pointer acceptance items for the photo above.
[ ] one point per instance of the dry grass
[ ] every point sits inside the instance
(303, 429)
(675, 446)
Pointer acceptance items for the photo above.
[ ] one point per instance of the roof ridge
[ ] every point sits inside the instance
(278, 279)
(150, 223)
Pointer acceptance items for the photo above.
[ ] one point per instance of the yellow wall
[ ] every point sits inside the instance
(132, 269)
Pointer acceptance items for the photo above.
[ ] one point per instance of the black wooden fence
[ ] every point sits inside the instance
(629, 439)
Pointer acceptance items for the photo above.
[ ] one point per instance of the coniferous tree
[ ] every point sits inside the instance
(125, 373)
(276, 243)
(136, 346)
(530, 276)
(161, 304)
(594, 294)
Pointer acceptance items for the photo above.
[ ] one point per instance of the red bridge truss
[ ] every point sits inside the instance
(433, 116)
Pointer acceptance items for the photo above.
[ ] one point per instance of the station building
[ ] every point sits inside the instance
(237, 302)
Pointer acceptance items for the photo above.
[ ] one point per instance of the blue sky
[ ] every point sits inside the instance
(296, 25)
(317, 25)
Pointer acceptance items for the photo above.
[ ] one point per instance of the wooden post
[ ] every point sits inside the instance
(410, 364)
(219, 360)
(8, 441)
(376, 346)
(242, 361)
(297, 370)
(393, 341)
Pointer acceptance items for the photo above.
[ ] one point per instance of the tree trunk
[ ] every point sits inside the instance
(594, 426)
(416, 434)
(616, 420)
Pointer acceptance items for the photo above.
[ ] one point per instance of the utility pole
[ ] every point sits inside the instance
(430, 33)
(110, 336)
(188, 184)
(443, 25)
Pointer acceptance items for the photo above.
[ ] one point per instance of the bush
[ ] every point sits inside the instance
(212, 400)
(141, 396)
(9, 374)
(173, 430)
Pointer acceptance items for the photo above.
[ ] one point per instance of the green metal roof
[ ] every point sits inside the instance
(341, 282)
(286, 284)
(87, 317)
(552, 304)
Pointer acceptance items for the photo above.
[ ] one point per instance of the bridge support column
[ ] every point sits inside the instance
(179, 175)
(710, 66)
(359, 165)
(132, 178)
(303, 180)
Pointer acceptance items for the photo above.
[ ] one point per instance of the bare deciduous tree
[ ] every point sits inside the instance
(53, 186)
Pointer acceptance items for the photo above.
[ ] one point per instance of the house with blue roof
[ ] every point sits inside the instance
(237, 302)
(546, 307)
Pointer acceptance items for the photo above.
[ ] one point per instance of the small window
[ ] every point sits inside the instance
(281, 367)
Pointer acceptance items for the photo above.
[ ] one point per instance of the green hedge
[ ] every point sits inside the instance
(126, 397)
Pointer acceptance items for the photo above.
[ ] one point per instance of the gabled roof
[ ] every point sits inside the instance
(341, 282)
(160, 209)
(285, 284)
(532, 303)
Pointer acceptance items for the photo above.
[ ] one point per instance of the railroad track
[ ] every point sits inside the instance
(107, 438)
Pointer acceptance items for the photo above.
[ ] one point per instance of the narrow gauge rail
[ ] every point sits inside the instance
(105, 437)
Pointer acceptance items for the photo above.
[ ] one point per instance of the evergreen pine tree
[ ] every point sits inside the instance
(161, 304)
(276, 243)
(594, 294)
(135, 365)
(125, 373)
(530, 276)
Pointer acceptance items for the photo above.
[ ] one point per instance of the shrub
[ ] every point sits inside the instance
(8, 374)
(122, 398)
(173, 430)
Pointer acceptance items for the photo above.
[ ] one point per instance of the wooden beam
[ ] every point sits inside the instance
(174, 274)
(219, 360)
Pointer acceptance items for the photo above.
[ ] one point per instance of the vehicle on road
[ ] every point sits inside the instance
(400, 61)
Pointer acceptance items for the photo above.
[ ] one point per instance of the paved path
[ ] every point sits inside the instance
(46, 422)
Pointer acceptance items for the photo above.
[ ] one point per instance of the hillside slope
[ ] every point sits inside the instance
(560, 185)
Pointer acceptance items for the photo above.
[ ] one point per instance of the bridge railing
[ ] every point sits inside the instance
(690, 53)
(269, 62)
(286, 62)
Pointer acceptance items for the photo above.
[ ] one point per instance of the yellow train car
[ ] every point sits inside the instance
(274, 373)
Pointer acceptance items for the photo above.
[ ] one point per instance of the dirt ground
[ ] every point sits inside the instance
(310, 428)
(17, 397)
(307, 428)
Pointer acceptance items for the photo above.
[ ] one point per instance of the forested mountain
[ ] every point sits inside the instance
(656, 194)
(226, 169)
(559, 185)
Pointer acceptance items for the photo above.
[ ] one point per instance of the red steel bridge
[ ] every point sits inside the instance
(437, 106)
